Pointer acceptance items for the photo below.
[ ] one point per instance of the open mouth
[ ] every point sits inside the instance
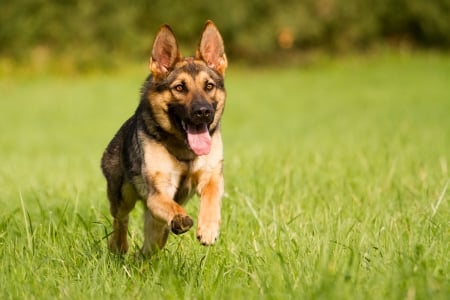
(198, 137)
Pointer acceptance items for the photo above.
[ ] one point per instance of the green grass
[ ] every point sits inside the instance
(336, 178)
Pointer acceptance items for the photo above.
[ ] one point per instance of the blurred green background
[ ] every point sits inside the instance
(85, 34)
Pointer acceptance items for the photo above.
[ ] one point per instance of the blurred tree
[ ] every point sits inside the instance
(97, 31)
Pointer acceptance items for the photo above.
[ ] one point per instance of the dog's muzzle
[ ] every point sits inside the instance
(196, 126)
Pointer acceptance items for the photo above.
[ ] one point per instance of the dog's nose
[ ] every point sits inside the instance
(202, 113)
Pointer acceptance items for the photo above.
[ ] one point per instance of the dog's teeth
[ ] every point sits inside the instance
(183, 125)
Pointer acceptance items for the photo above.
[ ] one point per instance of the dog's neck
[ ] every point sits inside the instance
(177, 146)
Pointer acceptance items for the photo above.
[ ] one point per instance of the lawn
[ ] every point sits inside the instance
(336, 187)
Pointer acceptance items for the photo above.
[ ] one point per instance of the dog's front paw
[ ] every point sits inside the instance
(208, 233)
(181, 223)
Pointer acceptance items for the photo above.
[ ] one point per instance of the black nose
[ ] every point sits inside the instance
(202, 113)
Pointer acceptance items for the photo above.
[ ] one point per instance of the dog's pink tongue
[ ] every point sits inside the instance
(199, 139)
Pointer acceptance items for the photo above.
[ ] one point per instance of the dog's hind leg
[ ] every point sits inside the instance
(122, 202)
(155, 234)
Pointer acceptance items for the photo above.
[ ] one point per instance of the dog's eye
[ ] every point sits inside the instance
(209, 86)
(179, 88)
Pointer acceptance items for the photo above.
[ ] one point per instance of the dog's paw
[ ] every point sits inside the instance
(118, 247)
(181, 223)
(207, 234)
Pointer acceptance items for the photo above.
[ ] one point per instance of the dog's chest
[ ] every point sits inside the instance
(166, 174)
(186, 187)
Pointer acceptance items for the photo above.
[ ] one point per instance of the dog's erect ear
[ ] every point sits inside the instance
(211, 48)
(165, 53)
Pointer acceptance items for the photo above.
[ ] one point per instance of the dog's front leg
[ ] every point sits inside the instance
(165, 210)
(211, 190)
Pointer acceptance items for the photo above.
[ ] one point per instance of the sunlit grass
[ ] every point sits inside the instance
(336, 180)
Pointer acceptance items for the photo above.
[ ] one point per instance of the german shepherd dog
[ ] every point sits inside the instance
(171, 147)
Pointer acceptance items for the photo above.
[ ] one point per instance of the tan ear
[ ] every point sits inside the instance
(165, 53)
(211, 49)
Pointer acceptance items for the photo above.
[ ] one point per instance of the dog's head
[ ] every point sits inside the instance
(188, 94)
